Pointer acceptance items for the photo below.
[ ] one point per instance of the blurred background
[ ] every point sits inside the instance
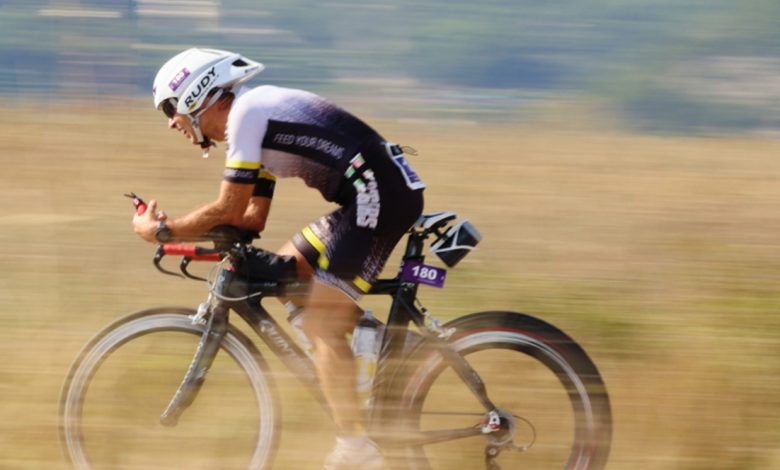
(619, 157)
(657, 64)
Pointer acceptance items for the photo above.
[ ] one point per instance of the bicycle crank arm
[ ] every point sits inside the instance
(201, 362)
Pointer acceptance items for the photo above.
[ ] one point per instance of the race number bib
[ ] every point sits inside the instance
(414, 271)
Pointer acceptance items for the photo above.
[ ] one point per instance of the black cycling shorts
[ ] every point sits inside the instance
(349, 247)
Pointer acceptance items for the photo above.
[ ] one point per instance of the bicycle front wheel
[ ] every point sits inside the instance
(553, 404)
(122, 381)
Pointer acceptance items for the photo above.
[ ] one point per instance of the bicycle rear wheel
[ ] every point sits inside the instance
(111, 402)
(554, 406)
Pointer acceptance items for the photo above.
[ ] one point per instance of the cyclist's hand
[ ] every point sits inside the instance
(145, 225)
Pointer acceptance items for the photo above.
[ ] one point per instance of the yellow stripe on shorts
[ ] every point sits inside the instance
(362, 284)
(242, 165)
(310, 237)
(264, 175)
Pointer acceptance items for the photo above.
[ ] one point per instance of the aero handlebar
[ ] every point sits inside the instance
(189, 252)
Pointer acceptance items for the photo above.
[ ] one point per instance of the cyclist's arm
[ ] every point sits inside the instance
(256, 214)
(244, 197)
(244, 201)
(229, 208)
(260, 205)
(247, 123)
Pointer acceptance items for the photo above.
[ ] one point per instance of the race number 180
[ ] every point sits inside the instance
(414, 271)
(425, 272)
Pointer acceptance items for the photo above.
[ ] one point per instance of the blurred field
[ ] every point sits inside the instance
(659, 255)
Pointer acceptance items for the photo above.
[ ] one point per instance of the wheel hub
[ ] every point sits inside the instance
(499, 428)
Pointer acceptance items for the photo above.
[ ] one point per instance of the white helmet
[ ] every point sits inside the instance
(185, 81)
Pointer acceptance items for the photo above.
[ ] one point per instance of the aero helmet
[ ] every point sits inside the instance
(184, 83)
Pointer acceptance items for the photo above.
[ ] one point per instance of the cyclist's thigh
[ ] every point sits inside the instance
(343, 254)
(303, 267)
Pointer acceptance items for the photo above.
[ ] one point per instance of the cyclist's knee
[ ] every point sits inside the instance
(330, 314)
(329, 324)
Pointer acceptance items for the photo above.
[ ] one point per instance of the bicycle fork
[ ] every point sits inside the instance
(216, 327)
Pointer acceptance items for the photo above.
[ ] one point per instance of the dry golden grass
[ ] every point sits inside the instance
(659, 255)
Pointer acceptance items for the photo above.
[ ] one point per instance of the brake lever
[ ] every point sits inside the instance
(138, 203)
(185, 262)
(158, 256)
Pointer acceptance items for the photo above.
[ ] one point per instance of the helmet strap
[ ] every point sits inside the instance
(204, 142)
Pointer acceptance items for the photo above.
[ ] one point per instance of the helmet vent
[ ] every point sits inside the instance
(239, 63)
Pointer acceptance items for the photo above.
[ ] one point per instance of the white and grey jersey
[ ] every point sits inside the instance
(282, 132)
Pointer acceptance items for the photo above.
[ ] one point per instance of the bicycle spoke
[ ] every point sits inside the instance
(451, 413)
(433, 437)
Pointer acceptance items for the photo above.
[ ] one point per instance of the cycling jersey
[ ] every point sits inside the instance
(293, 133)
(281, 132)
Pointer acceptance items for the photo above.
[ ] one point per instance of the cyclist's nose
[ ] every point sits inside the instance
(171, 123)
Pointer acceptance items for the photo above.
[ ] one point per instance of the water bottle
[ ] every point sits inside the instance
(365, 347)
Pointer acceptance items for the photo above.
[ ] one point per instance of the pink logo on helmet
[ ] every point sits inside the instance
(178, 79)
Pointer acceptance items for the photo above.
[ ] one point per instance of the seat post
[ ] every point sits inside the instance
(414, 245)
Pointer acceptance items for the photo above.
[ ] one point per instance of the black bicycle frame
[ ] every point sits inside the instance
(233, 293)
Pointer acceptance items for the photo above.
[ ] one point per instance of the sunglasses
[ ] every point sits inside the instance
(168, 108)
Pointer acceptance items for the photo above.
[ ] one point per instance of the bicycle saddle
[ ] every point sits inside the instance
(434, 220)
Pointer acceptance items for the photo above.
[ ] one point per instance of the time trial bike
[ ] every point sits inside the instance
(495, 389)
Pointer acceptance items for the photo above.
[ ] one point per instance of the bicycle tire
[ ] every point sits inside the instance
(148, 329)
(549, 359)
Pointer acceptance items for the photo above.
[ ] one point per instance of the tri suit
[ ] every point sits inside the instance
(281, 132)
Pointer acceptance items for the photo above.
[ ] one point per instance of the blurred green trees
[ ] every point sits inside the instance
(657, 61)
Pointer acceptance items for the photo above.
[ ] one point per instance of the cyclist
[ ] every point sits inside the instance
(281, 132)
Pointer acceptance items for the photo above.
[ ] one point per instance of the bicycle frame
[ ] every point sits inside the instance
(232, 294)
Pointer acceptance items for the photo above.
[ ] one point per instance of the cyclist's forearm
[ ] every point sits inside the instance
(256, 214)
(229, 209)
(199, 221)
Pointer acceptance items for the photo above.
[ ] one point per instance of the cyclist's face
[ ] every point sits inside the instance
(182, 124)
(212, 123)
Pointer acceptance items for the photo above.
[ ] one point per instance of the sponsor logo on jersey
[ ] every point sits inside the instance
(311, 142)
(204, 85)
(367, 203)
